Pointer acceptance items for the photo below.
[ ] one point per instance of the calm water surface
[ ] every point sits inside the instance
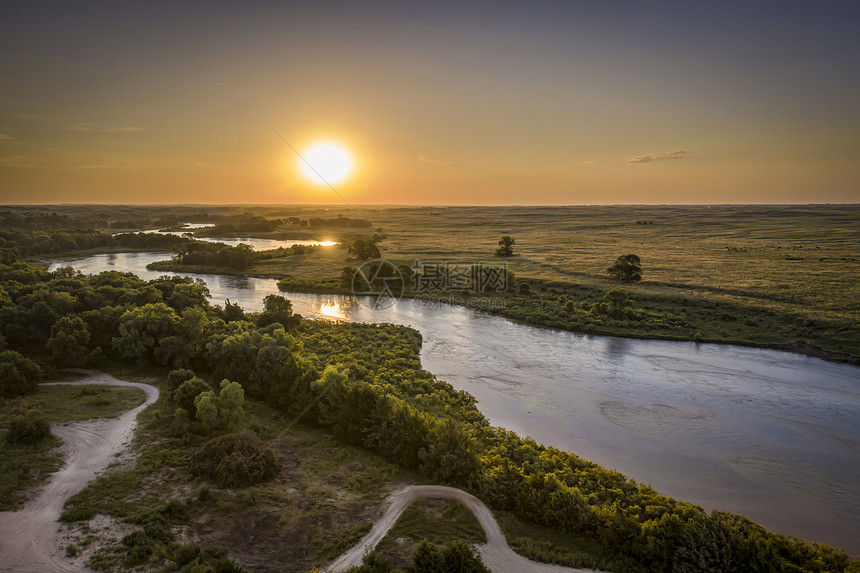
(257, 243)
(770, 434)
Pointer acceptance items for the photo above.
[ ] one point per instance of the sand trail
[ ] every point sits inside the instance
(29, 537)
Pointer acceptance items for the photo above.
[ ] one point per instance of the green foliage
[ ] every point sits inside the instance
(364, 249)
(235, 460)
(372, 563)
(214, 254)
(144, 330)
(223, 410)
(28, 430)
(450, 454)
(458, 557)
(18, 374)
(628, 268)
(176, 378)
(618, 300)
(68, 343)
(186, 395)
(277, 309)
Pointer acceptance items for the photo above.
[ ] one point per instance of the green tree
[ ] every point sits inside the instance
(176, 378)
(277, 309)
(221, 411)
(364, 249)
(506, 244)
(142, 330)
(231, 400)
(206, 410)
(346, 277)
(187, 393)
(18, 374)
(627, 268)
(233, 312)
(459, 557)
(68, 342)
(450, 455)
(428, 559)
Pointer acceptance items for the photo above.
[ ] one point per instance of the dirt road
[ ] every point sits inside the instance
(29, 537)
(497, 556)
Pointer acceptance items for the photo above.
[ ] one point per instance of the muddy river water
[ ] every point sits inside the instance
(769, 434)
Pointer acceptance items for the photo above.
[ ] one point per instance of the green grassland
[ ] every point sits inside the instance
(24, 466)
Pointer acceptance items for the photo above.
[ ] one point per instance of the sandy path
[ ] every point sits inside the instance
(497, 556)
(29, 537)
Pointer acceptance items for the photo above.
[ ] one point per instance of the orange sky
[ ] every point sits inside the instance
(441, 104)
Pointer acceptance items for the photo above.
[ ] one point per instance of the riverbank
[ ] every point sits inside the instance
(678, 314)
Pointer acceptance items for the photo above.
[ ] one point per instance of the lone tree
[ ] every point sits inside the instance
(627, 268)
(505, 249)
(364, 249)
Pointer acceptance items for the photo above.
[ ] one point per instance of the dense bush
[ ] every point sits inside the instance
(235, 460)
(18, 374)
(27, 430)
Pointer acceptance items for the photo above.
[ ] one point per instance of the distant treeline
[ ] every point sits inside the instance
(19, 243)
(240, 257)
(365, 384)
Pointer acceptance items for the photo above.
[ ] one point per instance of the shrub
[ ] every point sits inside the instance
(235, 460)
(28, 430)
(18, 375)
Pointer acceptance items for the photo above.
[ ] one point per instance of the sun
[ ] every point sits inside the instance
(325, 163)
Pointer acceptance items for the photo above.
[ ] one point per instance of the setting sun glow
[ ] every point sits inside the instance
(325, 163)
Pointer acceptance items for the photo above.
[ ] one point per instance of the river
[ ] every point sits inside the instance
(769, 434)
(255, 242)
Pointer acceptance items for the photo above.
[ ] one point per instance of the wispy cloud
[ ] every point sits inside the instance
(24, 162)
(221, 84)
(649, 157)
(102, 128)
(425, 159)
(642, 158)
(6, 138)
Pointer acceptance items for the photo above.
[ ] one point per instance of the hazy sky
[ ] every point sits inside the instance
(439, 103)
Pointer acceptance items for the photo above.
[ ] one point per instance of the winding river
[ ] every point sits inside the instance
(769, 434)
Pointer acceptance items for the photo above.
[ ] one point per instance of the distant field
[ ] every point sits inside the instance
(804, 257)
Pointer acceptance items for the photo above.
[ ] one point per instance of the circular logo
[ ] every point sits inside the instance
(380, 281)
